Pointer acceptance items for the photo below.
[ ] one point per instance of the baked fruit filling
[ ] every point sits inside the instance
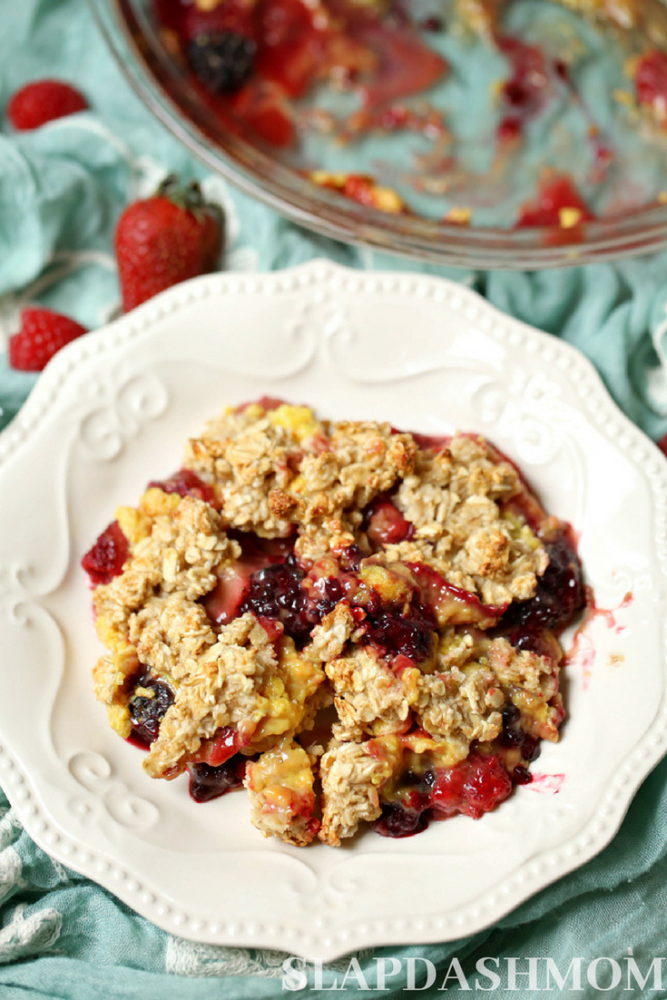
(357, 624)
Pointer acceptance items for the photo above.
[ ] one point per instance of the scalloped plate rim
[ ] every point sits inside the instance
(23, 794)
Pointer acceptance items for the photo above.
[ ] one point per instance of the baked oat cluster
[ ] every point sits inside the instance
(357, 624)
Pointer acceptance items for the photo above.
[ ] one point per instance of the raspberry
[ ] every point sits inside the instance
(185, 483)
(42, 334)
(557, 196)
(487, 784)
(448, 793)
(222, 60)
(106, 558)
(473, 787)
(43, 101)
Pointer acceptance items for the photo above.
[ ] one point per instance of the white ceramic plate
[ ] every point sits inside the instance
(113, 411)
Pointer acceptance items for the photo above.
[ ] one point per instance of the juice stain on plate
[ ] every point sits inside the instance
(582, 652)
(547, 784)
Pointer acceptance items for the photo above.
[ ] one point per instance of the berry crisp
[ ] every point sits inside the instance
(356, 624)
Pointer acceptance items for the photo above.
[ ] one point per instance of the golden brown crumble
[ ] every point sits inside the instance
(221, 687)
(352, 778)
(369, 698)
(454, 499)
(461, 704)
(328, 639)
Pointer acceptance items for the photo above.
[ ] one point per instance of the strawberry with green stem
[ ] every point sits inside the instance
(165, 239)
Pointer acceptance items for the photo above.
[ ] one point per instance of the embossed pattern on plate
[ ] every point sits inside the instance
(112, 411)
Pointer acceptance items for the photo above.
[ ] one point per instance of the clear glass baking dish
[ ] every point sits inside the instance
(130, 30)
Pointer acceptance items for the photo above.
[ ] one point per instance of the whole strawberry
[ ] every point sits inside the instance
(165, 239)
(42, 334)
(43, 101)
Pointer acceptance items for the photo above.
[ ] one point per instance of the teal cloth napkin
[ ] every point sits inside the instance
(61, 190)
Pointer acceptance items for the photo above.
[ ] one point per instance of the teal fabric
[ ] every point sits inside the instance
(61, 190)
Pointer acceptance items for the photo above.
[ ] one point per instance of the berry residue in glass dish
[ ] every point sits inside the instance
(513, 116)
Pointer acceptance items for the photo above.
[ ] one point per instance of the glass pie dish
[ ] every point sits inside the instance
(631, 220)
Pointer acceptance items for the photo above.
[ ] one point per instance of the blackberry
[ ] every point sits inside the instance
(146, 714)
(396, 821)
(512, 734)
(276, 592)
(208, 782)
(392, 633)
(558, 596)
(222, 60)
(332, 592)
